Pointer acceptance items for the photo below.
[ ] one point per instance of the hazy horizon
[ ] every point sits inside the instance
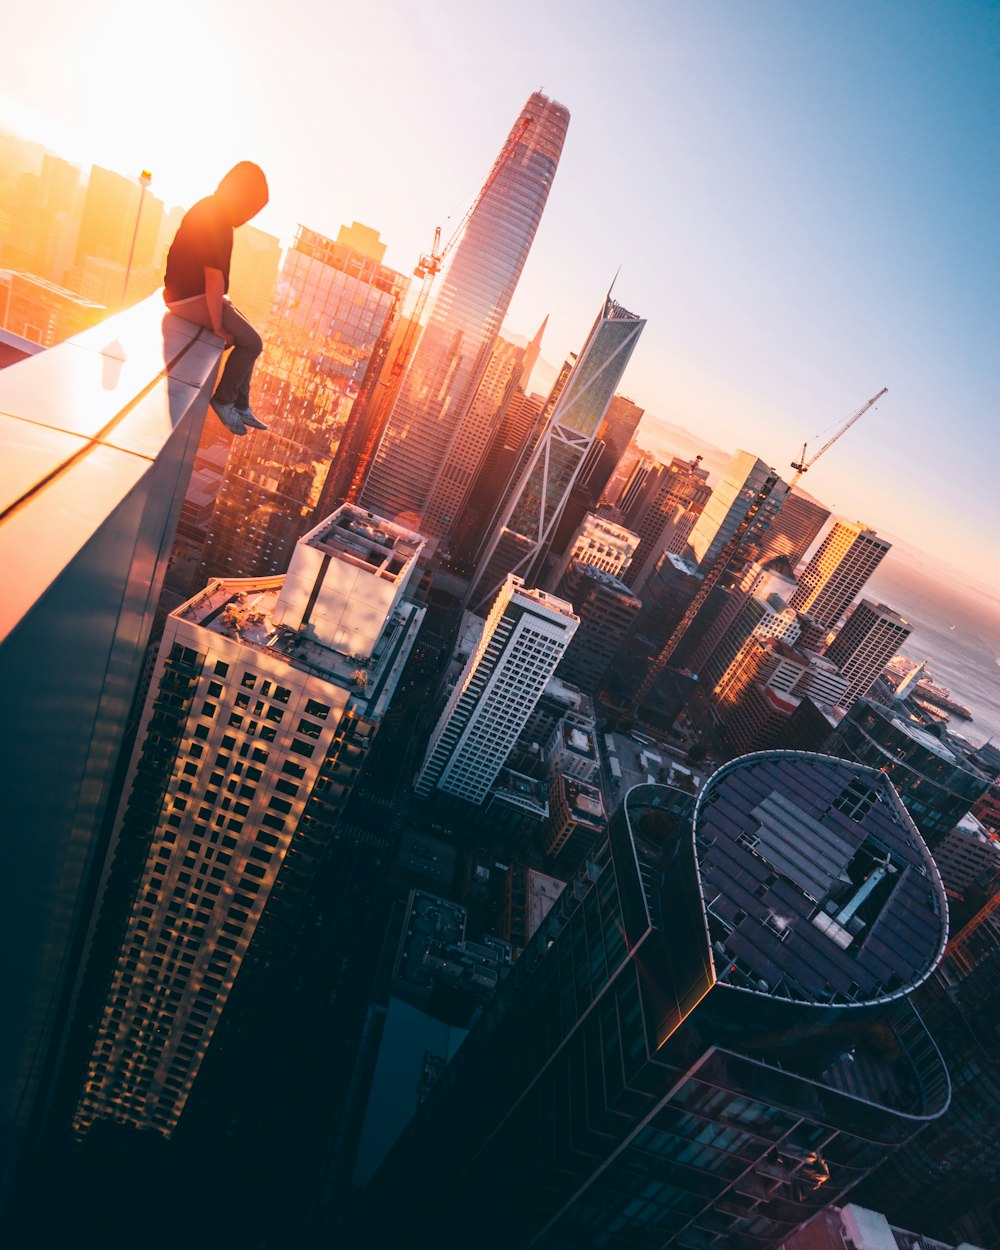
(800, 201)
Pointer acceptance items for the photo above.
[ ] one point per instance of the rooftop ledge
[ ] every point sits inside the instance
(81, 425)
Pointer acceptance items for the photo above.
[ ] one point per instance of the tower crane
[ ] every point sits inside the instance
(803, 465)
(732, 548)
(427, 268)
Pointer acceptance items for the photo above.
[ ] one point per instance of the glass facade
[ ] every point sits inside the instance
(622, 1089)
(428, 456)
(334, 312)
(937, 786)
(523, 536)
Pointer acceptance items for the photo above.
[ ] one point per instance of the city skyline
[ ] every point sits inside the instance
(798, 202)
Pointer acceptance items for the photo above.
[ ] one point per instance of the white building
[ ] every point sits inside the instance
(525, 635)
(599, 542)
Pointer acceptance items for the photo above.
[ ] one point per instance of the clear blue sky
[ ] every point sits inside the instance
(802, 197)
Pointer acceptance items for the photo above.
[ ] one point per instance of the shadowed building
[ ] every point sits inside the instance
(607, 610)
(868, 639)
(709, 1038)
(662, 510)
(936, 781)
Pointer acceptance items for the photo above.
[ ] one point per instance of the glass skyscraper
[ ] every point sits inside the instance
(334, 313)
(525, 532)
(708, 1039)
(435, 437)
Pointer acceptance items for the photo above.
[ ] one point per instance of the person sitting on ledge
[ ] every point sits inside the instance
(197, 279)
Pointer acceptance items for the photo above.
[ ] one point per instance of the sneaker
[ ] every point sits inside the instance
(249, 420)
(229, 417)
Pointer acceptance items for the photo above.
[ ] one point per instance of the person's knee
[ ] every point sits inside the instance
(245, 336)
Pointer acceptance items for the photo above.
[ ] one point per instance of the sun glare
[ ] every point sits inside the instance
(155, 97)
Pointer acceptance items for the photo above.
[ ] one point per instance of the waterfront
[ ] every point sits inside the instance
(954, 626)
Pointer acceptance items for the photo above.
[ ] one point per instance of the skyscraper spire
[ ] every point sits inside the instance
(531, 354)
(521, 540)
(427, 456)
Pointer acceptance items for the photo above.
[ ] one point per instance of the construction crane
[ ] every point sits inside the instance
(725, 558)
(803, 465)
(427, 269)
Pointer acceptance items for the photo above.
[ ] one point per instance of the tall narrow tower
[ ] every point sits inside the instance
(847, 557)
(522, 641)
(265, 698)
(429, 452)
(522, 538)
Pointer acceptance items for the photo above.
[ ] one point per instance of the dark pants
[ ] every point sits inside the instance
(234, 385)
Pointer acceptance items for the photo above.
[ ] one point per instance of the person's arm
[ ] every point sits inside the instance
(214, 290)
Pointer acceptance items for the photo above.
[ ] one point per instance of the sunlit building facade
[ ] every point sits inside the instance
(837, 573)
(728, 505)
(794, 529)
(434, 440)
(266, 696)
(333, 315)
(663, 511)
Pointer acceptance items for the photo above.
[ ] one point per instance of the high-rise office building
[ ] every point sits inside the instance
(610, 443)
(41, 218)
(601, 542)
(433, 441)
(837, 573)
(868, 639)
(520, 542)
(607, 610)
(331, 323)
(614, 435)
(728, 505)
(522, 641)
(265, 697)
(794, 528)
(708, 1039)
(511, 417)
(118, 235)
(663, 510)
(937, 780)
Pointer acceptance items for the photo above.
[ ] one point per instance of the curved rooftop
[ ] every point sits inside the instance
(816, 884)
